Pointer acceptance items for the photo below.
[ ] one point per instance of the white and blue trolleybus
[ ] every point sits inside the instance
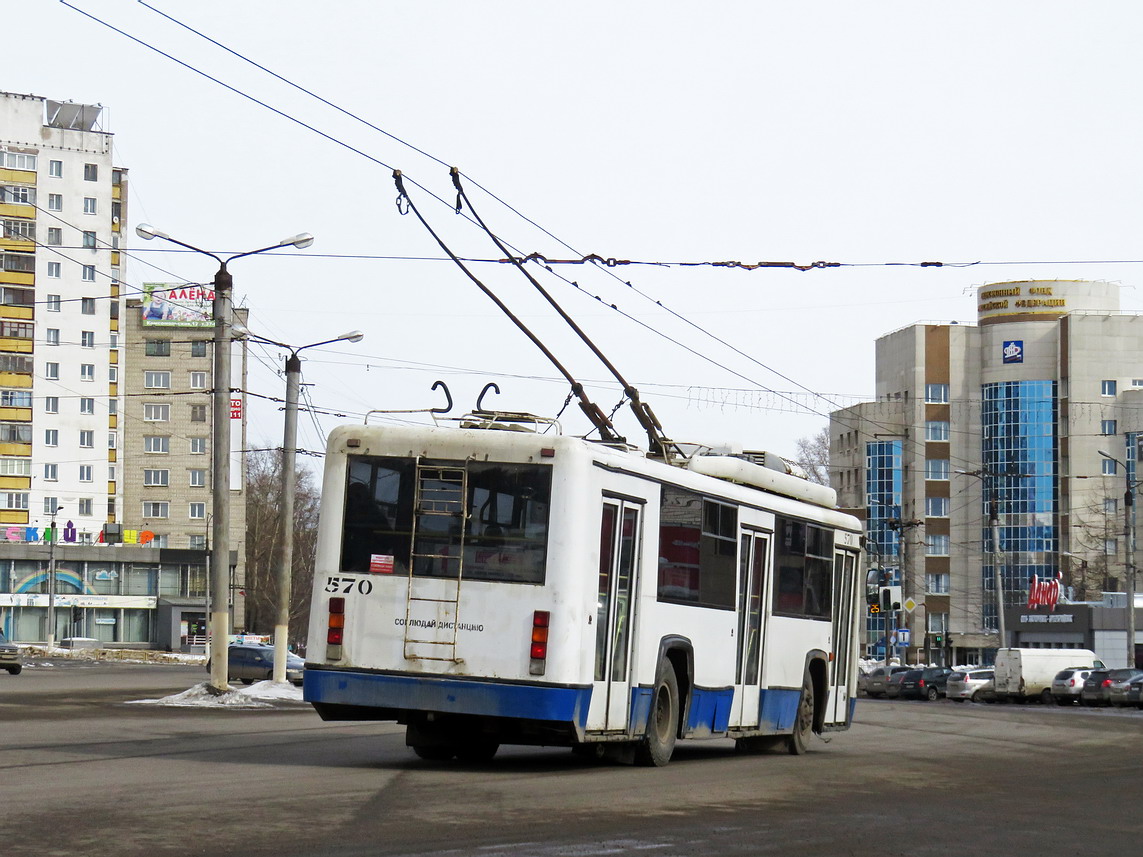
(493, 584)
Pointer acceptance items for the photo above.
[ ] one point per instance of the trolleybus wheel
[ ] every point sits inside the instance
(663, 725)
(477, 750)
(434, 752)
(798, 741)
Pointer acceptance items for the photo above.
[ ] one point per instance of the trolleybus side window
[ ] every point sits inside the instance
(697, 549)
(485, 521)
(805, 560)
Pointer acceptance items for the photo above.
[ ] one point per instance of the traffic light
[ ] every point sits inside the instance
(890, 598)
(939, 639)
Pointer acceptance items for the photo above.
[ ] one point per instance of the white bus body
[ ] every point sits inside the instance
(489, 586)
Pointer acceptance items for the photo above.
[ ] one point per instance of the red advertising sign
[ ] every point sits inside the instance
(1044, 593)
(236, 409)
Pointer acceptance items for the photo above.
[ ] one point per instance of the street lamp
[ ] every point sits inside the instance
(52, 582)
(1128, 552)
(220, 452)
(289, 482)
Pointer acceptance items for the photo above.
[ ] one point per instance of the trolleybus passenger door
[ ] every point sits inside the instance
(620, 541)
(752, 567)
(841, 631)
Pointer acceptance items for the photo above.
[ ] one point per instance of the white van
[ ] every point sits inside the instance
(1022, 674)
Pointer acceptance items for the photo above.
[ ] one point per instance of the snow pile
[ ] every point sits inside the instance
(264, 694)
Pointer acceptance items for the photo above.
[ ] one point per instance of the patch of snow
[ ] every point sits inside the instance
(263, 694)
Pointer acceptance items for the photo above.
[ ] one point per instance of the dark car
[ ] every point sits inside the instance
(928, 683)
(1134, 695)
(9, 656)
(251, 663)
(893, 685)
(1095, 688)
(1120, 682)
(876, 682)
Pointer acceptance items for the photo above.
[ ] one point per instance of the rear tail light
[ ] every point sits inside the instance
(1106, 682)
(335, 633)
(921, 683)
(1071, 682)
(538, 649)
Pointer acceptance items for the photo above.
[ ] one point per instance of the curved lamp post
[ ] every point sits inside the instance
(220, 441)
(1128, 552)
(289, 485)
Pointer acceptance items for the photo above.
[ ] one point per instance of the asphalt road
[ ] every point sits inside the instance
(85, 772)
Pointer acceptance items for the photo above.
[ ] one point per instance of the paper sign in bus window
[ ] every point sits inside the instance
(380, 564)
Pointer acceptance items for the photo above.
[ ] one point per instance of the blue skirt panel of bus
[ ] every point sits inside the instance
(456, 696)
(709, 711)
(777, 709)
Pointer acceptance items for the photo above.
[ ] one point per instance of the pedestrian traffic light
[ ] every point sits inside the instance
(939, 639)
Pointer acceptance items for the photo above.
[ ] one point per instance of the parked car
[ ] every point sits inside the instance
(893, 685)
(967, 684)
(9, 656)
(876, 682)
(928, 683)
(1134, 694)
(1095, 688)
(1120, 679)
(1068, 684)
(249, 663)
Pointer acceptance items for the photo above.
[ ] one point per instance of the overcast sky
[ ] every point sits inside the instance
(861, 133)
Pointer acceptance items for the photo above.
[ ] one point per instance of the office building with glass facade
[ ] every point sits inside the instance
(1029, 416)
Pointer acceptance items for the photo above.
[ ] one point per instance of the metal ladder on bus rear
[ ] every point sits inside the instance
(440, 492)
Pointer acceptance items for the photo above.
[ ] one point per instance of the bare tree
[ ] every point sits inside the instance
(813, 456)
(263, 544)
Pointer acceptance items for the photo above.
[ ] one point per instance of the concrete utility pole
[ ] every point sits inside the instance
(52, 582)
(220, 442)
(1128, 553)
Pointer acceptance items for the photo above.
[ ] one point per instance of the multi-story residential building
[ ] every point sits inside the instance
(1008, 419)
(79, 404)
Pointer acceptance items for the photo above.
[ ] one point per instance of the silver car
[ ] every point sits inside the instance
(877, 682)
(1121, 684)
(968, 684)
(1068, 684)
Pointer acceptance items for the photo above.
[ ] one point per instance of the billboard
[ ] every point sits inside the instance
(177, 305)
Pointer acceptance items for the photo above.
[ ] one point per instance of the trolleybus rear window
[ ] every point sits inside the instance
(475, 520)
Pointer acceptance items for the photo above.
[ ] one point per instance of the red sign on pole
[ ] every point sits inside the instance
(236, 409)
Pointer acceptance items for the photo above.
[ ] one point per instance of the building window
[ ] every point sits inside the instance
(198, 348)
(55, 169)
(51, 505)
(88, 273)
(85, 506)
(1109, 427)
(112, 440)
(1107, 388)
(937, 394)
(15, 432)
(197, 478)
(87, 306)
(87, 371)
(52, 336)
(1110, 466)
(197, 543)
(154, 478)
(156, 413)
(112, 406)
(88, 240)
(15, 466)
(87, 338)
(55, 236)
(937, 623)
(198, 510)
(54, 270)
(52, 371)
(936, 545)
(113, 341)
(157, 348)
(156, 443)
(937, 507)
(86, 405)
(1111, 546)
(936, 430)
(936, 468)
(198, 380)
(16, 398)
(51, 472)
(198, 446)
(112, 374)
(85, 473)
(15, 500)
(52, 304)
(86, 438)
(937, 584)
(91, 172)
(156, 510)
(51, 437)
(55, 202)
(89, 206)
(198, 413)
(157, 380)
(1110, 506)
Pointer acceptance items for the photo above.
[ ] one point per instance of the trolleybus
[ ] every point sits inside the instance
(489, 584)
